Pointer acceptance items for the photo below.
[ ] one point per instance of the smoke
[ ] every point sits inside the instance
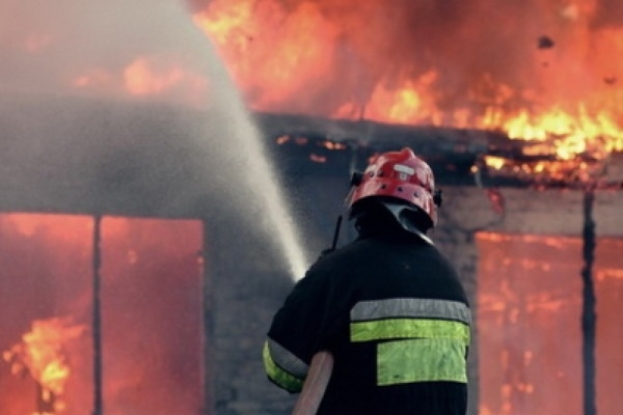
(608, 14)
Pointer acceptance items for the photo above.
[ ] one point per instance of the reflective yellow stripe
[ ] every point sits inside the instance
(429, 360)
(278, 375)
(286, 360)
(409, 328)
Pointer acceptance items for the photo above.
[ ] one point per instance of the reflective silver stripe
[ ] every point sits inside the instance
(411, 307)
(286, 360)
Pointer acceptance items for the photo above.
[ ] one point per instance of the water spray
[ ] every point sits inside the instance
(264, 186)
(244, 156)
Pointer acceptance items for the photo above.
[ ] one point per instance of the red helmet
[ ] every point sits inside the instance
(402, 175)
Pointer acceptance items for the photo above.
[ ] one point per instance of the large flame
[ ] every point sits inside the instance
(540, 69)
(41, 354)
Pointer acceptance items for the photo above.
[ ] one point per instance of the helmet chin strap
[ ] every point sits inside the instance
(397, 210)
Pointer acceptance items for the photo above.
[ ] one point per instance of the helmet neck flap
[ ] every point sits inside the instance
(387, 215)
(405, 216)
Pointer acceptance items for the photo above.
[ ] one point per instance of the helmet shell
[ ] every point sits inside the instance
(401, 175)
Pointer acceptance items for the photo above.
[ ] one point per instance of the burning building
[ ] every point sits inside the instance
(140, 266)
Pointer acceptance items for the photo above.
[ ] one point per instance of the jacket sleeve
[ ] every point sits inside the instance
(299, 330)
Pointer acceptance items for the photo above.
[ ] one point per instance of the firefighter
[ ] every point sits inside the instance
(388, 307)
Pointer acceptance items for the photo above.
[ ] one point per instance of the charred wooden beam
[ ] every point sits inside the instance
(312, 145)
(589, 305)
(98, 402)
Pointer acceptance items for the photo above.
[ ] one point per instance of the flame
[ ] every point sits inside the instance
(254, 64)
(317, 158)
(554, 81)
(410, 104)
(41, 355)
(140, 78)
(569, 135)
(148, 77)
(48, 356)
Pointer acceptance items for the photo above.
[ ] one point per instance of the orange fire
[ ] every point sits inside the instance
(41, 355)
(539, 70)
(150, 77)
(145, 280)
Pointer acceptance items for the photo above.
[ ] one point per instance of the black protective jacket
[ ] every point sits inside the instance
(391, 310)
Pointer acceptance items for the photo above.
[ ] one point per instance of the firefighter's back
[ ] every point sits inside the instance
(402, 336)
